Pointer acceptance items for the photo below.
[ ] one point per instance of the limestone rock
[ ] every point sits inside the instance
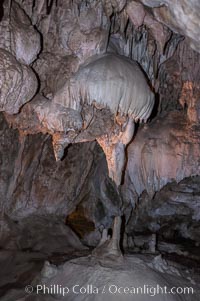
(163, 151)
(182, 16)
(25, 39)
(18, 34)
(18, 83)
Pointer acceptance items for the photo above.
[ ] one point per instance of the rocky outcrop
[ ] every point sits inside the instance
(31, 234)
(179, 79)
(181, 17)
(18, 35)
(18, 83)
(31, 178)
(140, 16)
(177, 205)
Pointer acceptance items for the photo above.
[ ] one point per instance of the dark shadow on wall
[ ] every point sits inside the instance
(1, 10)
(155, 111)
(122, 233)
(79, 223)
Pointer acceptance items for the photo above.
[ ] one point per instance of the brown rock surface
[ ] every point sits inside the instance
(165, 150)
(32, 181)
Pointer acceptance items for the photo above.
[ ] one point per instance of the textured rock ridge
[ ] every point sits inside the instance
(18, 83)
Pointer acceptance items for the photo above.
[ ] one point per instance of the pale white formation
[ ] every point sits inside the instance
(117, 83)
(110, 247)
(111, 81)
(104, 237)
(114, 244)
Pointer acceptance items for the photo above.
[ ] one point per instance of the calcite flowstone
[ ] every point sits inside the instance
(164, 150)
(118, 84)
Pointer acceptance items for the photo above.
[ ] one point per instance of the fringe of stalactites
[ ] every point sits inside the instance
(113, 82)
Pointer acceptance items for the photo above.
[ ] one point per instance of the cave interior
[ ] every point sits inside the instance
(99, 150)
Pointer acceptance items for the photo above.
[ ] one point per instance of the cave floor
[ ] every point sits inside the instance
(19, 268)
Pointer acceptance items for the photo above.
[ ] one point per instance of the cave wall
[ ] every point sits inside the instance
(31, 180)
(164, 151)
(176, 204)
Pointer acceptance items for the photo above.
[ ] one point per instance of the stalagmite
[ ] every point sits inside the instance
(114, 244)
(152, 243)
(104, 237)
(109, 248)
